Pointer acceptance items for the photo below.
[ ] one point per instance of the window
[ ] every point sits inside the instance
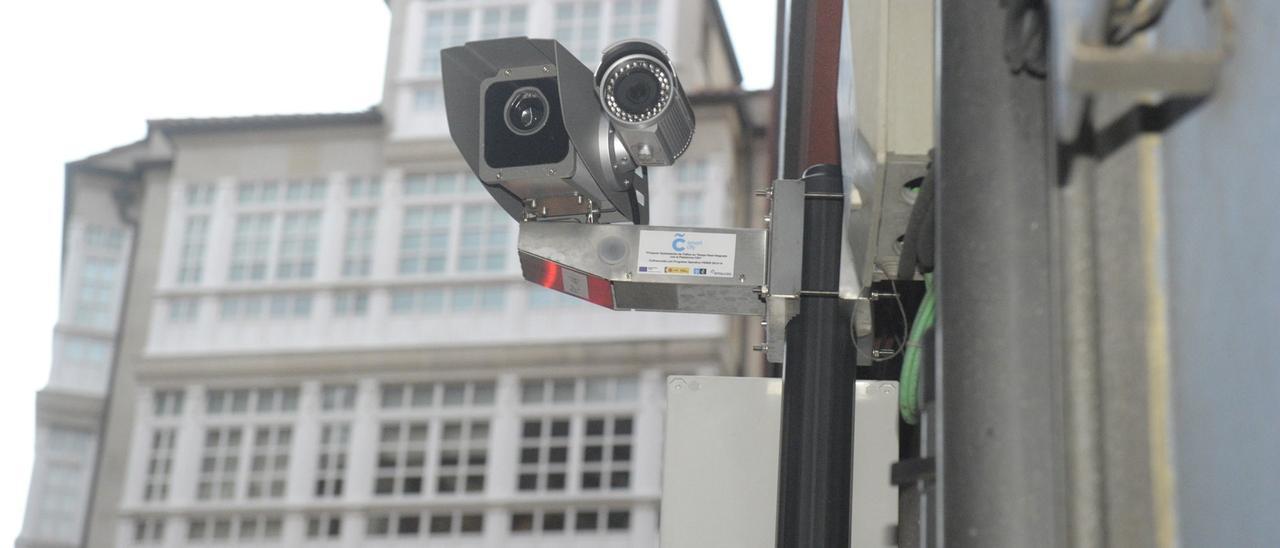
(350, 303)
(606, 454)
(463, 455)
(482, 241)
(85, 350)
(61, 506)
(442, 523)
(290, 305)
(195, 235)
(251, 193)
(364, 188)
(426, 300)
(424, 239)
(200, 194)
(96, 296)
(570, 521)
(269, 461)
(501, 22)
(428, 184)
(450, 524)
(689, 208)
(62, 483)
(305, 191)
(577, 26)
(428, 395)
(103, 238)
(402, 452)
(357, 253)
(159, 465)
(324, 526)
(299, 243)
(219, 463)
(251, 246)
(69, 442)
(240, 307)
(691, 178)
(167, 403)
(571, 391)
(148, 531)
(544, 454)
(427, 98)
(337, 397)
(331, 468)
(234, 529)
(184, 309)
(444, 28)
(240, 401)
(635, 19)
(84, 363)
(486, 298)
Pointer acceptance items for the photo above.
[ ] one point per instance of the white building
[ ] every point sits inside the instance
(326, 340)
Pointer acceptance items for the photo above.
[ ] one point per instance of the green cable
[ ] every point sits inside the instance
(909, 382)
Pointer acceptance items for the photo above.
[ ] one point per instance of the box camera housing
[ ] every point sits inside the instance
(525, 116)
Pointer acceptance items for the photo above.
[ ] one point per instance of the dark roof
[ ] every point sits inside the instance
(728, 42)
(274, 121)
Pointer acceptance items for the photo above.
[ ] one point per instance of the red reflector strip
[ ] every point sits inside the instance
(553, 275)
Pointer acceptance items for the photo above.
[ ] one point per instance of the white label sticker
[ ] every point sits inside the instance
(687, 253)
(575, 283)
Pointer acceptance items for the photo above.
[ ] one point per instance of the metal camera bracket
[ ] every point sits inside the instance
(736, 271)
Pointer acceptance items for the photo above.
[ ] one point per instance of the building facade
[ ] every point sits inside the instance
(326, 341)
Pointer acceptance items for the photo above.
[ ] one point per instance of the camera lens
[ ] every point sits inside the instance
(637, 92)
(636, 89)
(526, 111)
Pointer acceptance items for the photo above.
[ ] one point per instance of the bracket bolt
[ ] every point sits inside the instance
(760, 348)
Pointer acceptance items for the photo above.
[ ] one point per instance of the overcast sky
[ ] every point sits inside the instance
(81, 76)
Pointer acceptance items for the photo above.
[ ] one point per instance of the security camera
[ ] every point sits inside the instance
(527, 118)
(641, 94)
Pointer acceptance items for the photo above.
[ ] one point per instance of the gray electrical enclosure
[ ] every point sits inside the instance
(720, 469)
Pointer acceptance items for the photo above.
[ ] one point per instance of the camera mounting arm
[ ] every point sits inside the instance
(630, 267)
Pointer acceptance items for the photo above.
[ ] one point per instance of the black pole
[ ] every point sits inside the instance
(817, 384)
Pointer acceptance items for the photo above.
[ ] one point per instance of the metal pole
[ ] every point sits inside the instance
(817, 384)
(1001, 475)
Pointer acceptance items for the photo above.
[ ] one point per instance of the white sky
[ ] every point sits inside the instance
(81, 76)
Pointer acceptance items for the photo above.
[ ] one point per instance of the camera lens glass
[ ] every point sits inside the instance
(636, 89)
(637, 92)
(526, 111)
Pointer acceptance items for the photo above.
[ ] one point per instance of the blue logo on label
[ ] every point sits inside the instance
(678, 243)
(681, 245)
(699, 271)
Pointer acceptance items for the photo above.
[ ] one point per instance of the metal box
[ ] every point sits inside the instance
(720, 469)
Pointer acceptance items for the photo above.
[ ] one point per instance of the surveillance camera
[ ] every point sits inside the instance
(525, 116)
(640, 92)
